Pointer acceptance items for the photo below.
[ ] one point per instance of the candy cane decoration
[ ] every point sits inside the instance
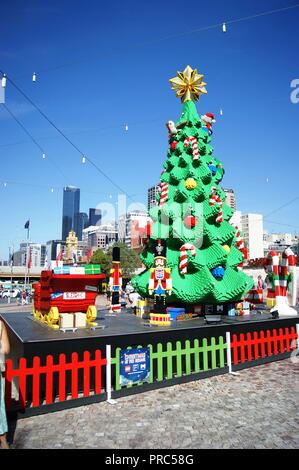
(291, 263)
(240, 242)
(164, 193)
(193, 141)
(280, 270)
(183, 256)
(215, 199)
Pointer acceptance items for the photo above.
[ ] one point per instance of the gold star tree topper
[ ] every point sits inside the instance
(188, 85)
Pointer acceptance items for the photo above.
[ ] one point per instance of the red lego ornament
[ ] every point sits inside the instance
(173, 145)
(190, 221)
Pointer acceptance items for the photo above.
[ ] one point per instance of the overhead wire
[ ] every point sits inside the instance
(14, 117)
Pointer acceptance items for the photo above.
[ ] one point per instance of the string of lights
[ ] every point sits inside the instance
(221, 25)
(44, 155)
(84, 157)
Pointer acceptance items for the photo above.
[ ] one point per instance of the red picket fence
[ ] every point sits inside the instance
(258, 345)
(37, 370)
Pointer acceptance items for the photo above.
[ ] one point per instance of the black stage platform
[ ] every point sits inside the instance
(29, 338)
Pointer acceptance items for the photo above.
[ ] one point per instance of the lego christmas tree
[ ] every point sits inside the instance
(203, 249)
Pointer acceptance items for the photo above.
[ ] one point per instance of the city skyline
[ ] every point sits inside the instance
(113, 128)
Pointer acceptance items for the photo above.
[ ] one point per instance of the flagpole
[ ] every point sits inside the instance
(27, 258)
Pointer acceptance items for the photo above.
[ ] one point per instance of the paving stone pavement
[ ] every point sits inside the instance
(257, 409)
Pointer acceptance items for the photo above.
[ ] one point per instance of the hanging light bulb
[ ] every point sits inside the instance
(4, 184)
(44, 155)
(110, 196)
(83, 159)
(224, 27)
(126, 127)
(52, 190)
(3, 81)
(34, 77)
(221, 112)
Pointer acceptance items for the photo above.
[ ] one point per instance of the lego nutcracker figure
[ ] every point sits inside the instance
(160, 283)
(115, 281)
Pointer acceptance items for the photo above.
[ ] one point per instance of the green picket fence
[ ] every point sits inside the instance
(177, 361)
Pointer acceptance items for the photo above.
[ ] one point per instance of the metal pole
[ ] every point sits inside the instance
(27, 258)
(229, 355)
(108, 375)
(11, 268)
(8, 298)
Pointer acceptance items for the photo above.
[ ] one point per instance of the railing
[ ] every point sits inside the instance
(258, 345)
(177, 361)
(94, 378)
(37, 371)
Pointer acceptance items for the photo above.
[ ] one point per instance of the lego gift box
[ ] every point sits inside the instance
(62, 270)
(92, 269)
(176, 313)
(72, 320)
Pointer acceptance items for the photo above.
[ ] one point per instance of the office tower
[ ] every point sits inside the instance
(95, 217)
(81, 222)
(151, 196)
(71, 206)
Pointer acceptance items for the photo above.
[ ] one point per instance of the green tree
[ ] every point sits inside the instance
(189, 215)
(100, 257)
(128, 259)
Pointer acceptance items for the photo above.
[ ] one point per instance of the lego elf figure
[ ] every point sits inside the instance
(160, 283)
(191, 216)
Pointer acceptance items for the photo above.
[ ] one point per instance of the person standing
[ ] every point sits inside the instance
(4, 349)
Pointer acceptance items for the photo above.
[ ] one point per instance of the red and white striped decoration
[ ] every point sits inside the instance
(183, 256)
(215, 199)
(193, 141)
(273, 267)
(164, 193)
(240, 242)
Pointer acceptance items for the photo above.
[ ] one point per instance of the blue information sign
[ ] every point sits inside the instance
(134, 365)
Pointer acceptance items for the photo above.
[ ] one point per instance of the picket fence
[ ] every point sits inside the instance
(96, 376)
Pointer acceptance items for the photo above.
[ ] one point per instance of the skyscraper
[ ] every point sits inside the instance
(81, 222)
(95, 217)
(151, 196)
(230, 198)
(71, 207)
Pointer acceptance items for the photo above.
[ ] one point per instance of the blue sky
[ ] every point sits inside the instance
(102, 65)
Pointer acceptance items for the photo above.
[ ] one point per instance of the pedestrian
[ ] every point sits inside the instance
(4, 349)
(260, 283)
(133, 297)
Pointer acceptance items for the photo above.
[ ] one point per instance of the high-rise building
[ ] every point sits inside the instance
(36, 251)
(151, 196)
(252, 228)
(230, 198)
(71, 207)
(95, 217)
(129, 226)
(100, 236)
(81, 222)
(53, 248)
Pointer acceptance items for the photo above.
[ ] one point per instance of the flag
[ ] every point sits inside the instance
(27, 224)
(59, 254)
(11, 259)
(30, 258)
(89, 254)
(74, 256)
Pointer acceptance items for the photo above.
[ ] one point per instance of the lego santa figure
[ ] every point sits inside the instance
(160, 283)
(209, 119)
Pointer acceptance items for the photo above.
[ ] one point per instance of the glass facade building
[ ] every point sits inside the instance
(95, 217)
(71, 207)
(81, 222)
